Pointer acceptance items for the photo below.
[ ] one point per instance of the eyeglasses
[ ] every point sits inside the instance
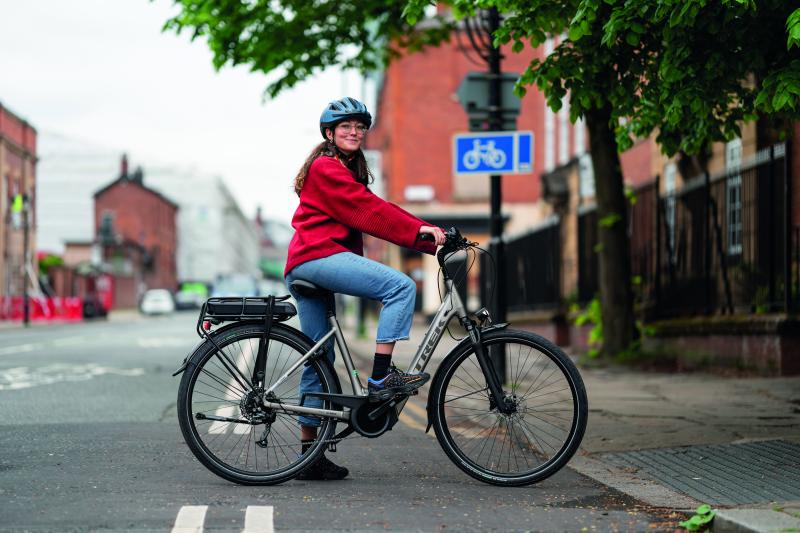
(360, 129)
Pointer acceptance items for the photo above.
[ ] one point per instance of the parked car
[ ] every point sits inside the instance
(157, 301)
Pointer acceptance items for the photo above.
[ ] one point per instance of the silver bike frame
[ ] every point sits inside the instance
(451, 306)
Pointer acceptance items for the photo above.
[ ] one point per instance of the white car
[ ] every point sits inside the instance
(157, 301)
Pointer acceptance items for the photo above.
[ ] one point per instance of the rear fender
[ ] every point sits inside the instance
(453, 353)
(186, 360)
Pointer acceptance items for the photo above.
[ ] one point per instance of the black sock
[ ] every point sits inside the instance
(380, 365)
(305, 445)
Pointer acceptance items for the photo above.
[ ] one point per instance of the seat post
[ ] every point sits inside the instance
(330, 304)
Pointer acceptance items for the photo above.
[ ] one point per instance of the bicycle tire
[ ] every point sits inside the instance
(455, 415)
(207, 381)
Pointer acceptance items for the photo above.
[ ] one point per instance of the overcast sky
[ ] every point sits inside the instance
(102, 71)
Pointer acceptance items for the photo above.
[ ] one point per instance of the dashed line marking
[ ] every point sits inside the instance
(190, 519)
(258, 519)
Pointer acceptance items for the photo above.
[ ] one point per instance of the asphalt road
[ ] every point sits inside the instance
(89, 440)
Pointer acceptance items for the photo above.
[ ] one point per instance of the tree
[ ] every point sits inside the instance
(293, 39)
(692, 70)
(717, 65)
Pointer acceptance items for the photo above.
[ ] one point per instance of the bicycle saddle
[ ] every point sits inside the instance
(308, 289)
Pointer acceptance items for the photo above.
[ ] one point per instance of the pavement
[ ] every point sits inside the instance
(679, 440)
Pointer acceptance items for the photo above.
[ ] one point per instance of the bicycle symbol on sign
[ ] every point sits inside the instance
(491, 156)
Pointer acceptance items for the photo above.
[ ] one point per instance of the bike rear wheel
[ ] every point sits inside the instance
(266, 449)
(528, 445)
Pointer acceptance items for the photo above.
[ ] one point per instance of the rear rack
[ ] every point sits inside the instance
(233, 309)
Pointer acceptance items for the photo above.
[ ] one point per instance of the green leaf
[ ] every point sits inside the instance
(518, 47)
(575, 33)
(632, 39)
(609, 220)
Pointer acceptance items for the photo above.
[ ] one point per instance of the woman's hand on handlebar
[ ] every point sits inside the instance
(435, 232)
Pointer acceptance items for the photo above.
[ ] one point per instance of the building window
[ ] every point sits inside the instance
(580, 137)
(549, 124)
(733, 164)
(670, 185)
(586, 176)
(563, 131)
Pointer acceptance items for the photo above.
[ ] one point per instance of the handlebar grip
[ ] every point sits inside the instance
(426, 237)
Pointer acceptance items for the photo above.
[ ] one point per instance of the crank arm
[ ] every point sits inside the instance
(201, 416)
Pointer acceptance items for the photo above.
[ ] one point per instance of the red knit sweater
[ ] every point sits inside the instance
(335, 209)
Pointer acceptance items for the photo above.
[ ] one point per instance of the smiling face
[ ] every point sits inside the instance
(348, 136)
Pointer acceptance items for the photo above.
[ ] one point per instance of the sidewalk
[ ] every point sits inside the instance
(678, 440)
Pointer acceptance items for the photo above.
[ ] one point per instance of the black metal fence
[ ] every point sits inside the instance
(532, 269)
(721, 244)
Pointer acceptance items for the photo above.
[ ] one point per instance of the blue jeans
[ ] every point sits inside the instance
(348, 273)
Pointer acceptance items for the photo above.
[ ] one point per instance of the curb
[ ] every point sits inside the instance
(755, 521)
(644, 490)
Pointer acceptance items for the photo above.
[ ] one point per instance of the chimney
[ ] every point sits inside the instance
(138, 175)
(124, 166)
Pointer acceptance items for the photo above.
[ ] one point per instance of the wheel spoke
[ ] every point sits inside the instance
(233, 449)
(525, 442)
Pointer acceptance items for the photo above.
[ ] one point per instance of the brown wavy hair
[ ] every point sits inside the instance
(355, 162)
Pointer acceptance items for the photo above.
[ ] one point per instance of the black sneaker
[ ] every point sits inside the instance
(323, 470)
(395, 382)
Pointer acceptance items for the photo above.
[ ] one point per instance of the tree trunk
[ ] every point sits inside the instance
(616, 294)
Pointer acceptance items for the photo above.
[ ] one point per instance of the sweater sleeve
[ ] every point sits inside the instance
(335, 191)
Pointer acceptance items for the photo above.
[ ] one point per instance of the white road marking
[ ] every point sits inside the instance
(161, 342)
(190, 519)
(24, 377)
(258, 519)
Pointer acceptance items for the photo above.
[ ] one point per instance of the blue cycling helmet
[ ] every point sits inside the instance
(340, 110)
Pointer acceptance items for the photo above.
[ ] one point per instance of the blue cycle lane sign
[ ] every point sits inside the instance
(495, 152)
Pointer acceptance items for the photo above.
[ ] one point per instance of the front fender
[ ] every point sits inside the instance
(438, 375)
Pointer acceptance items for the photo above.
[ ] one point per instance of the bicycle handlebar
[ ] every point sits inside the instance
(453, 242)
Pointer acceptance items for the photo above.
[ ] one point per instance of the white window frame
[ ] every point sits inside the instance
(585, 176)
(670, 186)
(733, 196)
(549, 123)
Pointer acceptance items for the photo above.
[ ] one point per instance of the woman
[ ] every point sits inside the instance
(335, 208)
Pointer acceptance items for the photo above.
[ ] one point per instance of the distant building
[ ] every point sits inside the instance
(17, 198)
(215, 238)
(70, 171)
(274, 238)
(135, 226)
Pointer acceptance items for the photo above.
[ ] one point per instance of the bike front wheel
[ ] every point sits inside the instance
(220, 410)
(535, 440)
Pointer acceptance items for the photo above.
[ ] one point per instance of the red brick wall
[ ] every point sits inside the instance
(637, 163)
(419, 113)
(17, 130)
(144, 217)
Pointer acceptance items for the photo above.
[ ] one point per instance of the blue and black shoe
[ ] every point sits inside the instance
(394, 383)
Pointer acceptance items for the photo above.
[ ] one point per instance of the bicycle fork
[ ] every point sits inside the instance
(495, 384)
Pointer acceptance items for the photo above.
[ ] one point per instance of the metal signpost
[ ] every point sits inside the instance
(492, 107)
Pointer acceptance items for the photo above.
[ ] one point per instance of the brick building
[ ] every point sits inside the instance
(17, 177)
(135, 226)
(418, 113)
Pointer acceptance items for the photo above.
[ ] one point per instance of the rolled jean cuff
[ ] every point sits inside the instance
(395, 339)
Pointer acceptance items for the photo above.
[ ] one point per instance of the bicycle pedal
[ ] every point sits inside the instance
(332, 447)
